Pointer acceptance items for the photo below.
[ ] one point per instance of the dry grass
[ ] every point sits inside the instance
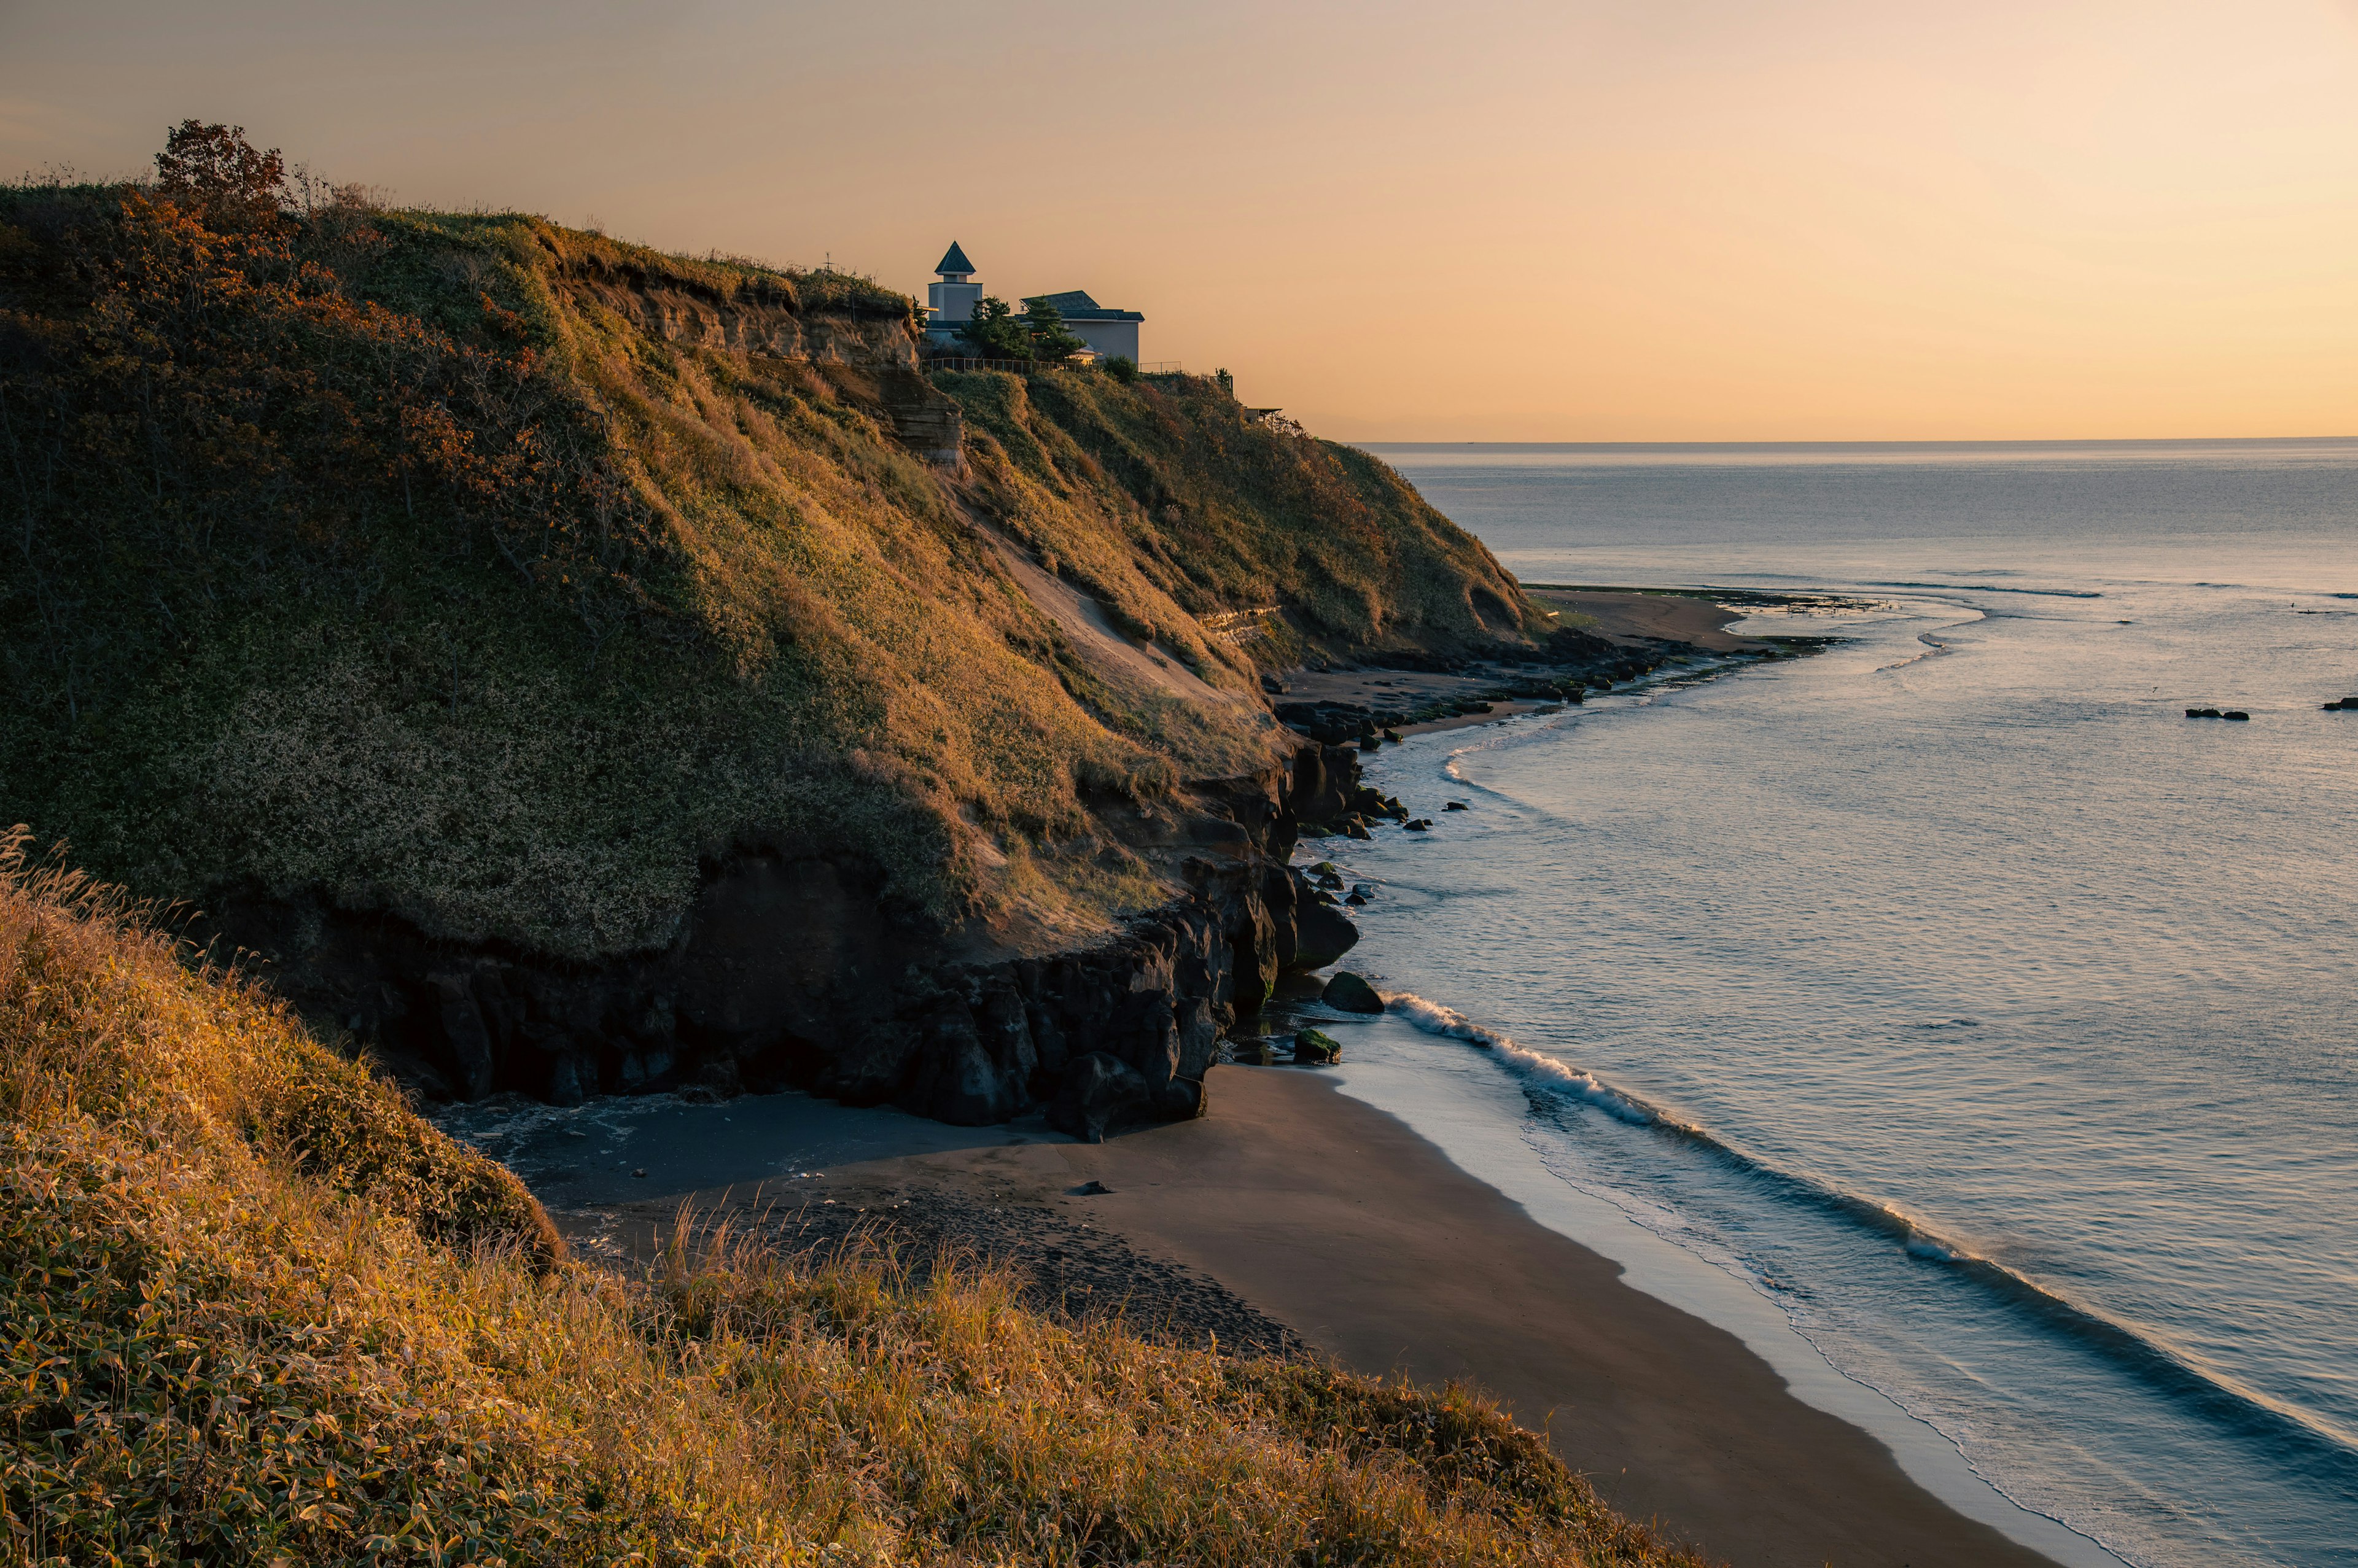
(608, 585)
(259, 1313)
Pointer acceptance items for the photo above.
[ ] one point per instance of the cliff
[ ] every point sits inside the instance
(575, 668)
(259, 1312)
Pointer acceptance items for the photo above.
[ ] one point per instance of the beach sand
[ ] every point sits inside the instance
(1293, 1215)
(1337, 1221)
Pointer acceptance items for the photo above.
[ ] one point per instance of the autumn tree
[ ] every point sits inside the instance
(214, 170)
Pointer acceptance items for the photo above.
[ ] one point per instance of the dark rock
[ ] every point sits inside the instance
(1416, 824)
(1273, 686)
(565, 1082)
(1089, 1190)
(1326, 874)
(1355, 828)
(1098, 1094)
(1322, 934)
(2235, 713)
(469, 1040)
(792, 970)
(1347, 992)
(1454, 806)
(1391, 734)
(1356, 900)
(1313, 1047)
(1369, 743)
(638, 1172)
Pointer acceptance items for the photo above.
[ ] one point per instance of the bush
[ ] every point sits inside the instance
(1122, 368)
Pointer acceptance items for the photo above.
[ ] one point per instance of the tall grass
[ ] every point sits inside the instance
(258, 1312)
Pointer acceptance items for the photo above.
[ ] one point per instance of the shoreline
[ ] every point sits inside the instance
(1297, 1215)
(1319, 1212)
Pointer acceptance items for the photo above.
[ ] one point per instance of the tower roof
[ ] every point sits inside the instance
(954, 260)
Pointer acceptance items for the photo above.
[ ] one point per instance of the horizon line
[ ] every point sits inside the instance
(1874, 441)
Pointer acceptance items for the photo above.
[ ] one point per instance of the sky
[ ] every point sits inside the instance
(1663, 220)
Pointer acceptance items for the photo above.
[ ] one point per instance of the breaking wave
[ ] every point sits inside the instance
(2324, 1450)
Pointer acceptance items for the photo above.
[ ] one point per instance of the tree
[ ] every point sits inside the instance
(214, 171)
(1122, 368)
(995, 332)
(1051, 340)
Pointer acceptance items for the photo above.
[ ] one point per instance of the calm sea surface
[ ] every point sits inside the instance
(1949, 992)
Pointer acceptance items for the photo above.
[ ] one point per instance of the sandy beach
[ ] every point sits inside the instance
(1309, 1210)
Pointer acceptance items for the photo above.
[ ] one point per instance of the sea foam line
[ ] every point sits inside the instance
(2328, 1449)
(1435, 1019)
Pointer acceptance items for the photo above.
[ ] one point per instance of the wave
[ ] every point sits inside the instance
(2328, 1452)
(1435, 1019)
(1999, 588)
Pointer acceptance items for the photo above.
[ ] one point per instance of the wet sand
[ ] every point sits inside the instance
(1625, 616)
(1340, 1223)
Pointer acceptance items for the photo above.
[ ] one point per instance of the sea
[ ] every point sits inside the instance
(1945, 1012)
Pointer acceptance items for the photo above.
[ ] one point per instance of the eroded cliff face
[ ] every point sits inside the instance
(554, 659)
(793, 972)
(772, 323)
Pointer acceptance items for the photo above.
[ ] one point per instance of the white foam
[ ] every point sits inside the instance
(1435, 1019)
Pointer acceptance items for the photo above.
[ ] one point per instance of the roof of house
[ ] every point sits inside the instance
(954, 260)
(1075, 305)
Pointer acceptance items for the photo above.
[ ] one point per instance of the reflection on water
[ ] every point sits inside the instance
(1952, 988)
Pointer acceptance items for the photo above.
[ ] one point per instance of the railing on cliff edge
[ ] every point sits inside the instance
(1033, 367)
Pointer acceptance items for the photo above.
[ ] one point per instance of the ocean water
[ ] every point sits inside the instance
(1947, 995)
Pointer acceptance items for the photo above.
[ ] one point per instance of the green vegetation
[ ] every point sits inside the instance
(1171, 478)
(259, 1313)
(500, 577)
(995, 332)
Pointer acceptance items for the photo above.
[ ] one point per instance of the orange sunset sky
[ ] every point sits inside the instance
(1681, 219)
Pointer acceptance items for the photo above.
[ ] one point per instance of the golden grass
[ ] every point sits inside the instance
(259, 1313)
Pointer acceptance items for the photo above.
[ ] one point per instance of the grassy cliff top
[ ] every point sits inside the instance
(502, 577)
(260, 1313)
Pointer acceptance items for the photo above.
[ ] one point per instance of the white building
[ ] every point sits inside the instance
(950, 303)
(952, 300)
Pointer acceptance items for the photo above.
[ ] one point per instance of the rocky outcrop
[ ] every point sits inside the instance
(793, 971)
(1347, 992)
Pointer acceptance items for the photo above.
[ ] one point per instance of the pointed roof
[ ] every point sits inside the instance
(954, 260)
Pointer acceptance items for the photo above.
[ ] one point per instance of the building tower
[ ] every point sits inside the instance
(949, 304)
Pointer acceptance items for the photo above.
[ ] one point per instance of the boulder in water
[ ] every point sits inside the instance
(1347, 992)
(2235, 713)
(1312, 1048)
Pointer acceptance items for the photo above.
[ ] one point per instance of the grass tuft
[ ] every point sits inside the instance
(259, 1313)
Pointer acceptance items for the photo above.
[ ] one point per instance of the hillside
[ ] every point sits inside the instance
(565, 662)
(259, 1312)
